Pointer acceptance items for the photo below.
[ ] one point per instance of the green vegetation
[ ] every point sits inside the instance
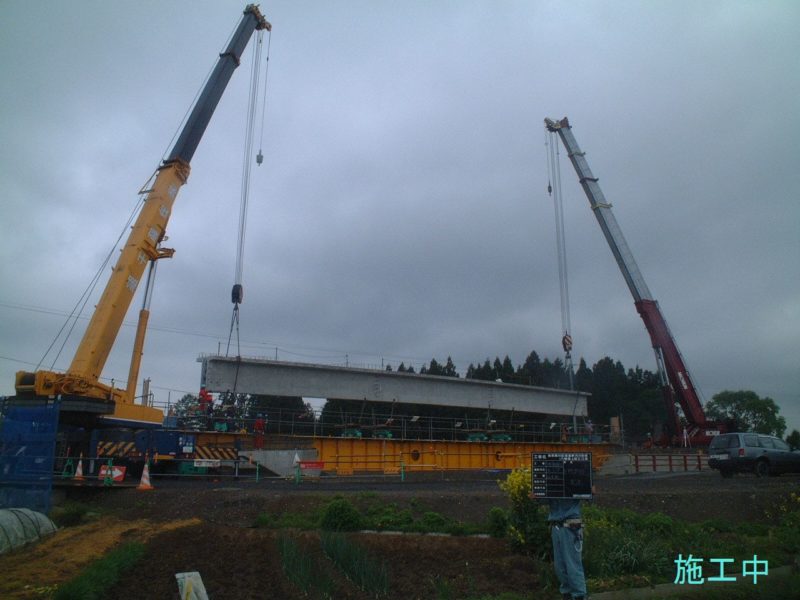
(768, 588)
(99, 576)
(354, 561)
(340, 514)
(443, 588)
(388, 517)
(503, 596)
(288, 521)
(749, 411)
(528, 531)
(70, 514)
(627, 549)
(302, 570)
(793, 439)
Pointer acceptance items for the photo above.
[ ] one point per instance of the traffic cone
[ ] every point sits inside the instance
(144, 484)
(79, 470)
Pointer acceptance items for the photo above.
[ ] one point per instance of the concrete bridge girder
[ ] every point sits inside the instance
(279, 378)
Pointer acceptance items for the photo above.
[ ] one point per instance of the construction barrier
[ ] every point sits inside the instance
(669, 462)
(27, 449)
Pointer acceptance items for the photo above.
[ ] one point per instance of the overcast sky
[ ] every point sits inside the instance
(401, 211)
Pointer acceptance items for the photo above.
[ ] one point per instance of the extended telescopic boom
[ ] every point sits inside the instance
(676, 381)
(80, 384)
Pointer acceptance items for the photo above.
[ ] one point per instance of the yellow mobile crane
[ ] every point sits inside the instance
(79, 389)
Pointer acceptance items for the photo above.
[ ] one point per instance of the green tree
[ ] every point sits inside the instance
(583, 377)
(531, 370)
(748, 410)
(497, 369)
(283, 413)
(186, 406)
(484, 372)
(450, 368)
(793, 439)
(608, 390)
(435, 368)
(507, 371)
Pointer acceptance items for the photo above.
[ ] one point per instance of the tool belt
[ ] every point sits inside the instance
(571, 523)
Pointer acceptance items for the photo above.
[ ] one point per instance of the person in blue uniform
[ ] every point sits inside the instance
(566, 530)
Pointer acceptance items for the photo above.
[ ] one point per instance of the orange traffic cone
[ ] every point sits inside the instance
(144, 484)
(79, 471)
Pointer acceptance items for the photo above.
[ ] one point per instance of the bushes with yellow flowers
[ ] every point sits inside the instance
(527, 520)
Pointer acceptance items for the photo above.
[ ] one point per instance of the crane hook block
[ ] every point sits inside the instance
(259, 158)
(237, 293)
(566, 342)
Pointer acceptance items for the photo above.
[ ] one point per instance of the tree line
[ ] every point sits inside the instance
(635, 394)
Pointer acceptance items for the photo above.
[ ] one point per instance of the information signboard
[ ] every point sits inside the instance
(561, 475)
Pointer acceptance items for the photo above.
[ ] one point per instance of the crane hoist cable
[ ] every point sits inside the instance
(260, 155)
(554, 190)
(193, 103)
(80, 305)
(237, 292)
(77, 310)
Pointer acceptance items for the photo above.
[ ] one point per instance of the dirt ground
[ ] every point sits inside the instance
(206, 526)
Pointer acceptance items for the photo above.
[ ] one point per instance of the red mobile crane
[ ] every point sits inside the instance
(676, 383)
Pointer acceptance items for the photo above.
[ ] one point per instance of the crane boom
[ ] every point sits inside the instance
(675, 379)
(142, 247)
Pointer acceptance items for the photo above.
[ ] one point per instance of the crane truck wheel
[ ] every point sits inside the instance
(762, 468)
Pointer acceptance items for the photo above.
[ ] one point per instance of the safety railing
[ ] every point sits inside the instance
(670, 462)
(319, 423)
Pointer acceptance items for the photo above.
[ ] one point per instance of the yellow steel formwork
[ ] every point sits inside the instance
(346, 456)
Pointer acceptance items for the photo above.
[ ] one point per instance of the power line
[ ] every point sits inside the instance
(283, 347)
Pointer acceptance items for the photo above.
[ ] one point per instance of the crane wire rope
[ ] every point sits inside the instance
(260, 156)
(237, 293)
(77, 310)
(554, 189)
(189, 108)
(84, 298)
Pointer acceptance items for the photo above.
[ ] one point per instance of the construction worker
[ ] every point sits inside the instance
(566, 531)
(259, 428)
